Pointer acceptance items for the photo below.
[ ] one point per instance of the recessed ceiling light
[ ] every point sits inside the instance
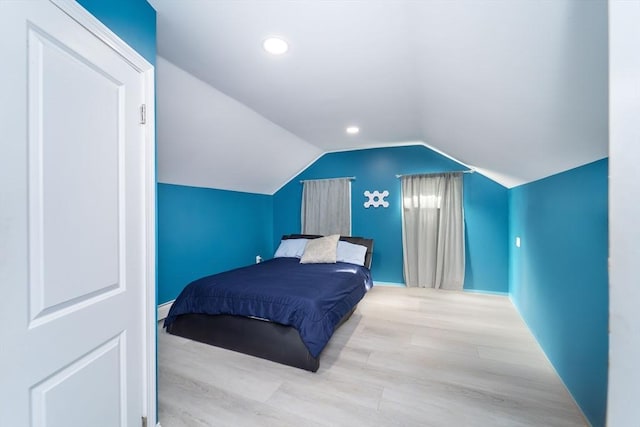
(275, 45)
(352, 130)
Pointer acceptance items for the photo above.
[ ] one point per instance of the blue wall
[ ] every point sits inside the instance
(134, 21)
(485, 202)
(559, 279)
(203, 231)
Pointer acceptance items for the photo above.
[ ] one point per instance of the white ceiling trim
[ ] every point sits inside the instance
(388, 145)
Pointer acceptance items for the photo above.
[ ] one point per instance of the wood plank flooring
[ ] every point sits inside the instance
(407, 357)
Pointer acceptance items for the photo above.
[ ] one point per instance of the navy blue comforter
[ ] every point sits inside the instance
(312, 298)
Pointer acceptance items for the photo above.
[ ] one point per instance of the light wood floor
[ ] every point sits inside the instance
(407, 357)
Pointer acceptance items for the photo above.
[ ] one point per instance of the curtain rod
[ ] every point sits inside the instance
(435, 173)
(350, 178)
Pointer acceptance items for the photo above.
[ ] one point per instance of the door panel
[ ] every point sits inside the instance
(72, 225)
(74, 182)
(54, 400)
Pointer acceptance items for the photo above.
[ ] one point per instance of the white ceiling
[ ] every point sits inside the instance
(207, 139)
(515, 88)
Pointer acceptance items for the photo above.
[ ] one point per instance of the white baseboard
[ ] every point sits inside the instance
(400, 285)
(163, 309)
(480, 291)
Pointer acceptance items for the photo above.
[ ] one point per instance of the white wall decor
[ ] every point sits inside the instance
(376, 199)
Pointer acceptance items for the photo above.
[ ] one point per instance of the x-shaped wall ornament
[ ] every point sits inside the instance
(376, 199)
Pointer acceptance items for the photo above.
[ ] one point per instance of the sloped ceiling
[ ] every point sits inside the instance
(516, 89)
(207, 139)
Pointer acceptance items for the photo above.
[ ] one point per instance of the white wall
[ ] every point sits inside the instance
(624, 213)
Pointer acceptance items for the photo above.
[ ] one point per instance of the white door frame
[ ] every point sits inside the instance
(140, 64)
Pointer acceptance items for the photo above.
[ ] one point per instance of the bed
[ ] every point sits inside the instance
(280, 310)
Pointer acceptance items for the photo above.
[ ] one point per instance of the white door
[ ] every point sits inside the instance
(72, 255)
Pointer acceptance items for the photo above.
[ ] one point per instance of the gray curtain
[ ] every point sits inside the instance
(433, 231)
(326, 206)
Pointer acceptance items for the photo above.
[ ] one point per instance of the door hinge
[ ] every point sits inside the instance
(143, 114)
(144, 421)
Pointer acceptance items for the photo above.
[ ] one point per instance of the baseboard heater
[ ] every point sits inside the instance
(163, 310)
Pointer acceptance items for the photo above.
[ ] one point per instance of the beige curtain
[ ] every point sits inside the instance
(433, 231)
(326, 206)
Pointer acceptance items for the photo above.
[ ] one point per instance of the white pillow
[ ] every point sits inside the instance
(321, 250)
(351, 253)
(291, 248)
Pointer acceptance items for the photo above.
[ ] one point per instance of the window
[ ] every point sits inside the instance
(326, 206)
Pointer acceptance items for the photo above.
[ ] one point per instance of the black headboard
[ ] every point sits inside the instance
(355, 240)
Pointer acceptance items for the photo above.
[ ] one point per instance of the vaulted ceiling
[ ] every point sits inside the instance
(516, 89)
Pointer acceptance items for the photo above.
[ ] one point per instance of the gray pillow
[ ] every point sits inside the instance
(321, 250)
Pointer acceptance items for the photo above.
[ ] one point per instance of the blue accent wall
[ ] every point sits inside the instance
(134, 21)
(203, 231)
(559, 276)
(485, 203)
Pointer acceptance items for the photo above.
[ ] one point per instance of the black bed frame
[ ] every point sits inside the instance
(261, 338)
